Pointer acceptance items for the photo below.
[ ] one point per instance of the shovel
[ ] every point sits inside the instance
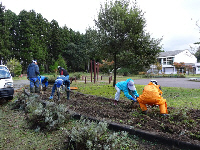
(40, 84)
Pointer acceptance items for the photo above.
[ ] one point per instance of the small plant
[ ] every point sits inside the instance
(45, 115)
(92, 135)
(139, 125)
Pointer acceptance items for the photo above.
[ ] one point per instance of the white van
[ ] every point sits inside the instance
(6, 83)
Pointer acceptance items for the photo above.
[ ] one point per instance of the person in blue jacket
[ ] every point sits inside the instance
(128, 88)
(44, 81)
(32, 75)
(60, 81)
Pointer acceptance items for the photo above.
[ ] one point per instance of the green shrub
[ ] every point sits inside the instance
(45, 114)
(52, 78)
(182, 76)
(14, 66)
(123, 71)
(42, 69)
(93, 136)
(77, 75)
(54, 68)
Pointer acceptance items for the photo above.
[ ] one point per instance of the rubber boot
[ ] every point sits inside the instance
(32, 90)
(44, 88)
(58, 93)
(68, 93)
(37, 90)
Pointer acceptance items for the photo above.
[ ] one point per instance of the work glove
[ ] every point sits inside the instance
(51, 97)
(133, 99)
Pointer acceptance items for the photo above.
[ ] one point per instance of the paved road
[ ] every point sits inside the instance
(171, 82)
(20, 83)
(164, 82)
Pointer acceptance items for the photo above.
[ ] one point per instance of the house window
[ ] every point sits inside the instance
(164, 61)
(160, 60)
(198, 68)
(170, 60)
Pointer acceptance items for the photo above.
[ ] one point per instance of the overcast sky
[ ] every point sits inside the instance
(172, 20)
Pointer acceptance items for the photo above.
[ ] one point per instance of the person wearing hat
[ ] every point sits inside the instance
(63, 72)
(128, 88)
(152, 95)
(32, 75)
(60, 81)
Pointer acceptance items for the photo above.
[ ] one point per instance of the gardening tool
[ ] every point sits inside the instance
(40, 84)
(68, 93)
(58, 92)
(73, 88)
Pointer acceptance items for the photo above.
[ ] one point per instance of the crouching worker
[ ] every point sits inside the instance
(59, 82)
(128, 88)
(152, 95)
(44, 81)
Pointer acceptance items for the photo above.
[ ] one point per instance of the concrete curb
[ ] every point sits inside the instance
(150, 136)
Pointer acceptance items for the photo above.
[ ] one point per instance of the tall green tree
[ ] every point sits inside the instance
(92, 50)
(75, 51)
(31, 38)
(122, 36)
(197, 54)
(54, 42)
(39, 42)
(11, 23)
(25, 35)
(4, 37)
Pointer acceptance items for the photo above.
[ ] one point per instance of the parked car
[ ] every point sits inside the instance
(6, 83)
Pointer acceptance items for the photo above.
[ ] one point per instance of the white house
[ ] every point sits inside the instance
(197, 68)
(169, 57)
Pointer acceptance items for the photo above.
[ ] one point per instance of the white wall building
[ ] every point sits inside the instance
(197, 68)
(168, 58)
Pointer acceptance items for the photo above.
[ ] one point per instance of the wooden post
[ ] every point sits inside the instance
(91, 69)
(94, 71)
(109, 80)
(85, 80)
(97, 71)
(101, 77)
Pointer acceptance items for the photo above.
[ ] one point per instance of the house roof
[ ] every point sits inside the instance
(170, 53)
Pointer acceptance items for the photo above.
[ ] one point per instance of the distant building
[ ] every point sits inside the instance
(197, 68)
(167, 59)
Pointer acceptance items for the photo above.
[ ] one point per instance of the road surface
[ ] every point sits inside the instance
(171, 82)
(164, 82)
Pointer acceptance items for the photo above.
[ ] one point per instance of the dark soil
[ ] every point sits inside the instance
(181, 124)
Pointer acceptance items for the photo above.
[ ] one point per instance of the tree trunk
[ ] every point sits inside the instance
(115, 69)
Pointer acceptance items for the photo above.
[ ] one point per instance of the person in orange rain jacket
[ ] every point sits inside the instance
(152, 95)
